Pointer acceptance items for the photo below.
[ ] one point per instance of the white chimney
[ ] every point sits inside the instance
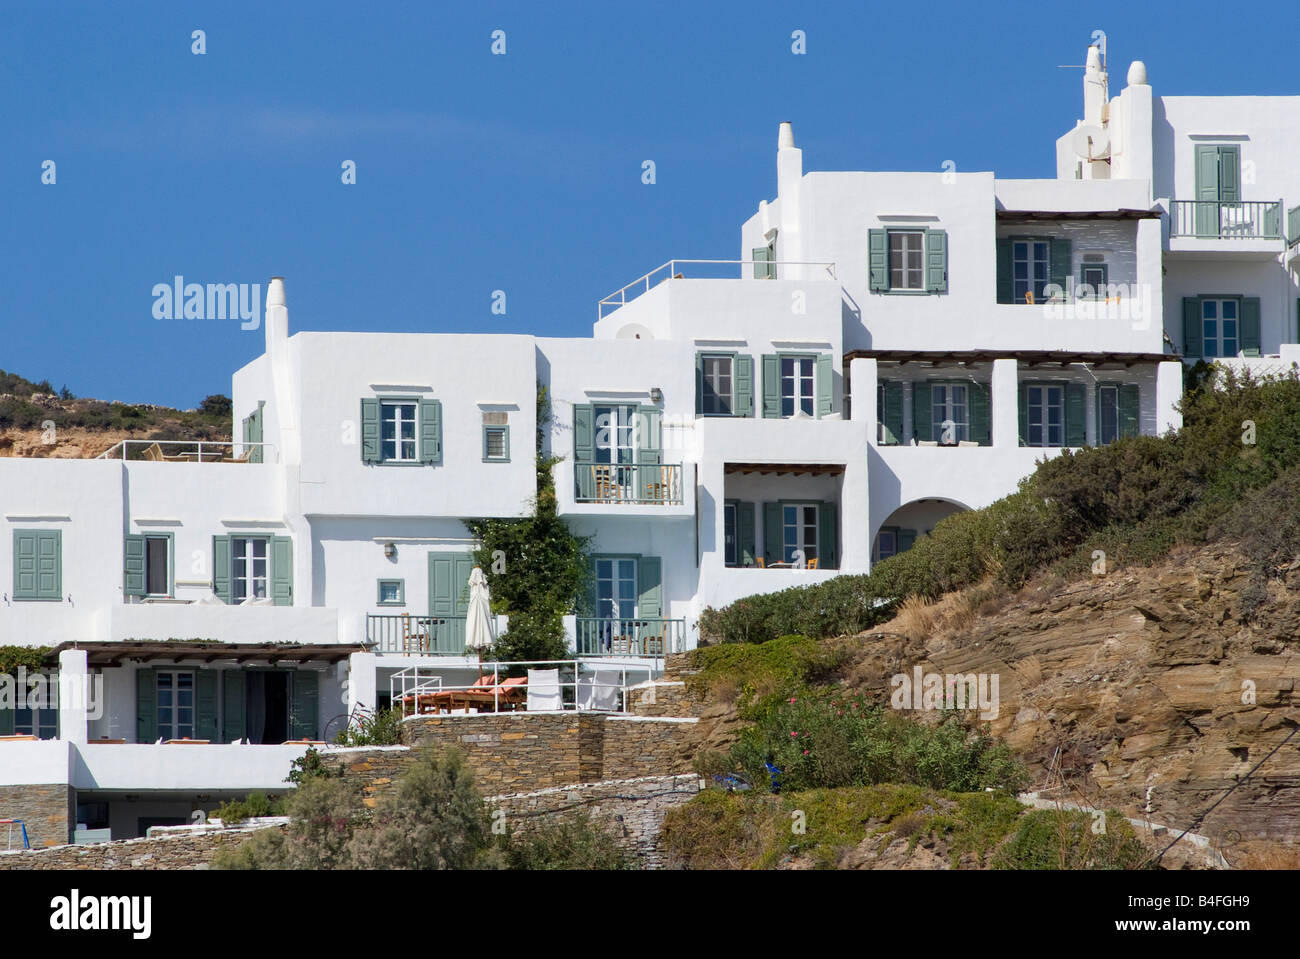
(789, 177)
(1094, 88)
(277, 316)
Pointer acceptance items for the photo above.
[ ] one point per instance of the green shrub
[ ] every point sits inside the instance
(574, 841)
(253, 806)
(758, 672)
(382, 728)
(1065, 839)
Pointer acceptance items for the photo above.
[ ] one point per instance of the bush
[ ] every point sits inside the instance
(828, 739)
(759, 672)
(569, 842)
(382, 728)
(253, 806)
(1064, 839)
(323, 813)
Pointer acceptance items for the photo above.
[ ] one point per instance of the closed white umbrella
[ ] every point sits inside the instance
(478, 617)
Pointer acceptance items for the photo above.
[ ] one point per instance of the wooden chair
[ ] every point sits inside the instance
(812, 563)
(762, 563)
(153, 452)
(413, 640)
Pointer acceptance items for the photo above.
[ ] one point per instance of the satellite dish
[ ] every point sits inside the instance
(1091, 142)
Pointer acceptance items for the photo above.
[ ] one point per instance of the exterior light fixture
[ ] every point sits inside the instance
(656, 395)
(390, 550)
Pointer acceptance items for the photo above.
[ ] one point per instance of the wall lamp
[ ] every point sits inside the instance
(390, 550)
(656, 395)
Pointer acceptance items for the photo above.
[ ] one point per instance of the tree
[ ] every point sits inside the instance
(216, 405)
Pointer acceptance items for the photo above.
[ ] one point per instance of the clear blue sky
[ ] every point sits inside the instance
(478, 172)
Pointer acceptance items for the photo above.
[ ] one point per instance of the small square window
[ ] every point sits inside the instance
(392, 592)
(496, 444)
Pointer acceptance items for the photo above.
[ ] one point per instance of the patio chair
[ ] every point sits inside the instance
(602, 689)
(544, 690)
(413, 640)
(153, 452)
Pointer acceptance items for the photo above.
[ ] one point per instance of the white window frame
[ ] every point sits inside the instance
(1215, 344)
(397, 448)
(799, 386)
(1034, 264)
(880, 543)
(613, 572)
(724, 401)
(245, 586)
(945, 406)
(175, 727)
(801, 528)
(1049, 395)
(166, 561)
(911, 249)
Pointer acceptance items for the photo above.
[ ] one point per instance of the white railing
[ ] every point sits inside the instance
(673, 270)
(417, 690)
(190, 451)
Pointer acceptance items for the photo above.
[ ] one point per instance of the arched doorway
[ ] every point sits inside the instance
(899, 531)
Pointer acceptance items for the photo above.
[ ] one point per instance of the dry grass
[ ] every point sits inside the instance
(1275, 856)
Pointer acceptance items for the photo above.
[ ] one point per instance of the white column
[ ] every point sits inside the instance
(1006, 403)
(362, 681)
(1169, 390)
(74, 696)
(863, 379)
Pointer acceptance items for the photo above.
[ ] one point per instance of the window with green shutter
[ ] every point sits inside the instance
(253, 567)
(1218, 182)
(800, 384)
(1053, 414)
(253, 434)
(147, 564)
(738, 533)
(304, 704)
(1030, 266)
(1221, 326)
(401, 431)
(908, 260)
(724, 384)
(889, 412)
(765, 262)
(1117, 412)
(38, 565)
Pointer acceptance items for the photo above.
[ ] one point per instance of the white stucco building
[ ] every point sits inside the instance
(885, 349)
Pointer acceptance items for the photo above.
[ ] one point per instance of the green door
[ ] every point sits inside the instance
(449, 600)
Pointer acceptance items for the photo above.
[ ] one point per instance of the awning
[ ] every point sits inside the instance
(117, 653)
(1030, 216)
(782, 469)
(1028, 357)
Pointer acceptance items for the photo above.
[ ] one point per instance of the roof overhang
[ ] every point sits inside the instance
(111, 653)
(1031, 216)
(1027, 357)
(783, 469)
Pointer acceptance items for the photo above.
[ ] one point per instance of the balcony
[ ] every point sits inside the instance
(1212, 219)
(636, 484)
(416, 635)
(190, 451)
(712, 270)
(646, 636)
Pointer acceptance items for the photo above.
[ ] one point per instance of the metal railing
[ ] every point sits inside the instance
(653, 484)
(1293, 226)
(576, 686)
(640, 636)
(417, 635)
(675, 270)
(190, 451)
(1243, 220)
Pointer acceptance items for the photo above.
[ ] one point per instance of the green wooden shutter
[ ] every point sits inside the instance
(745, 533)
(828, 527)
(133, 562)
(282, 570)
(772, 533)
(1060, 268)
(922, 428)
(304, 700)
(980, 421)
(1250, 325)
(1207, 190)
(1230, 174)
(205, 704)
(442, 589)
(371, 451)
(221, 567)
(906, 539)
(7, 719)
(1023, 398)
(146, 705)
(232, 702)
(24, 564)
(49, 564)
(699, 384)
(1076, 430)
(878, 259)
(824, 385)
(584, 449)
(893, 412)
(1192, 330)
(1129, 410)
(431, 431)
(649, 453)
(771, 387)
(936, 261)
(253, 434)
(649, 578)
(744, 381)
(1006, 288)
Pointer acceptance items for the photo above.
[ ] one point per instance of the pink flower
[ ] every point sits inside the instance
(791, 699)
(794, 735)
(839, 712)
(805, 752)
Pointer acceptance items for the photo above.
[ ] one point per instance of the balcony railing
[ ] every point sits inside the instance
(1293, 226)
(417, 635)
(635, 484)
(1244, 220)
(643, 636)
(699, 269)
(189, 451)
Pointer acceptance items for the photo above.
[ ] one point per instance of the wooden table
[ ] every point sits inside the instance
(186, 742)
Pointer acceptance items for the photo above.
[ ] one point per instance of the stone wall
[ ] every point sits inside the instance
(49, 811)
(631, 809)
(185, 848)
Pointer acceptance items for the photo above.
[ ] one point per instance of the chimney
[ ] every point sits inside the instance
(789, 161)
(277, 316)
(1094, 88)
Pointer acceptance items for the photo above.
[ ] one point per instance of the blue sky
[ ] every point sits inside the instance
(478, 172)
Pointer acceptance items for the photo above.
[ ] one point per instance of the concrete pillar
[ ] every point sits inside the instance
(362, 681)
(1005, 390)
(1169, 390)
(75, 696)
(863, 380)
